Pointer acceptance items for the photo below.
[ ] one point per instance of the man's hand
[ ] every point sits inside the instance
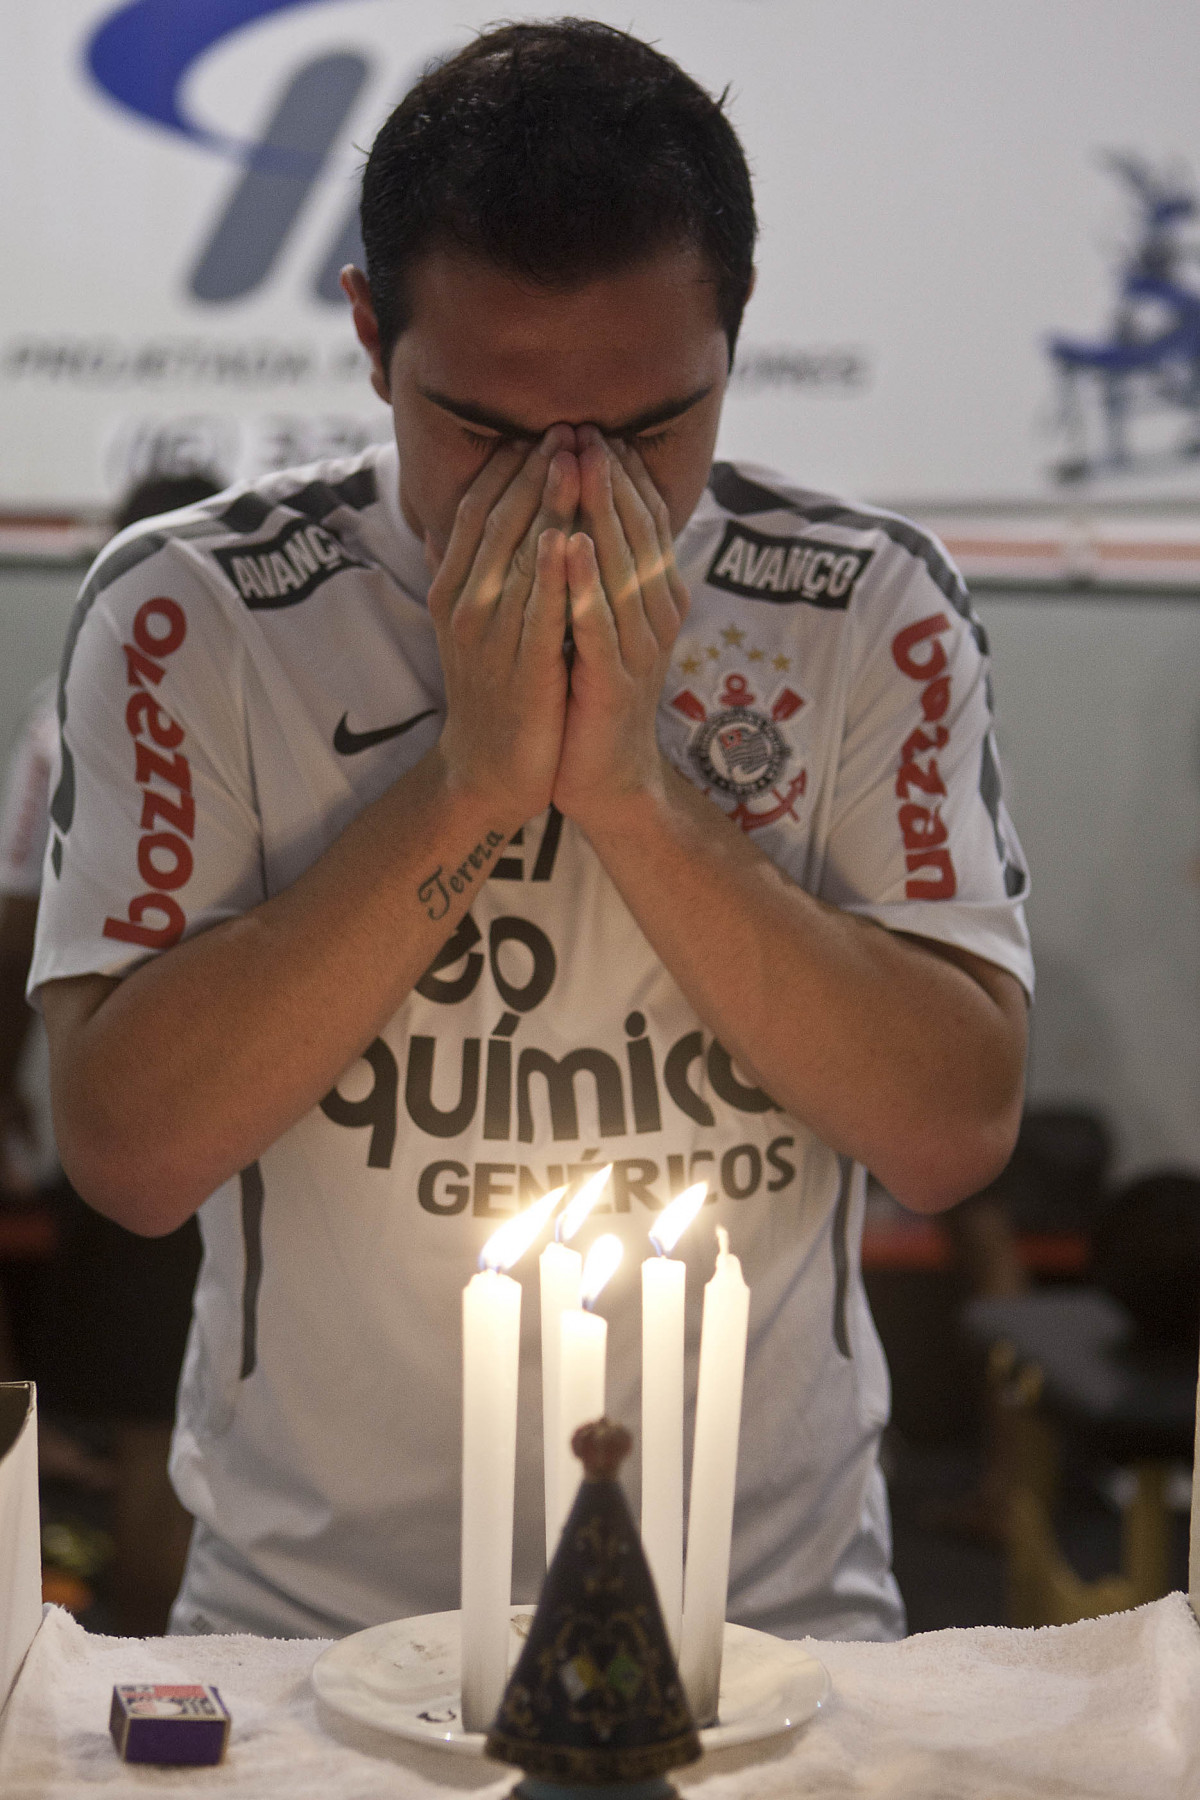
(627, 604)
(498, 602)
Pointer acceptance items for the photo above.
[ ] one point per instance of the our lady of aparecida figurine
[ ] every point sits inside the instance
(595, 1699)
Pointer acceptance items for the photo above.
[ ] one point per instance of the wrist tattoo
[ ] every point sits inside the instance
(435, 891)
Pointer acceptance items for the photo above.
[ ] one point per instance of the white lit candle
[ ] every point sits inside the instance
(714, 1479)
(560, 1271)
(584, 1348)
(663, 1286)
(491, 1354)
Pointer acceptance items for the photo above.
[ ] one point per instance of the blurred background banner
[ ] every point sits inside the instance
(978, 265)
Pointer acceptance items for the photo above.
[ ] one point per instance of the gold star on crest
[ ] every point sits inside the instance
(781, 662)
(755, 655)
(689, 664)
(712, 653)
(733, 634)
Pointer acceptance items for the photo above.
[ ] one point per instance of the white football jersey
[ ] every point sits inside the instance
(240, 680)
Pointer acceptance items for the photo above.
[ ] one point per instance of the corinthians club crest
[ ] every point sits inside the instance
(741, 751)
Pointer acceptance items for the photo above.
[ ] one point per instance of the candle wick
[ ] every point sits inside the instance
(589, 1304)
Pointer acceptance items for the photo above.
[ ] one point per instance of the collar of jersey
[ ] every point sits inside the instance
(394, 543)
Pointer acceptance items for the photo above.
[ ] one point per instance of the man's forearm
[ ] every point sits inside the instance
(884, 1047)
(189, 1068)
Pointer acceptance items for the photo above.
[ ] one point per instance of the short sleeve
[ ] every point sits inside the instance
(919, 835)
(154, 834)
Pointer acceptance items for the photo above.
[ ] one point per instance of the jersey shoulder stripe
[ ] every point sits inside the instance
(284, 569)
(315, 499)
(304, 549)
(744, 497)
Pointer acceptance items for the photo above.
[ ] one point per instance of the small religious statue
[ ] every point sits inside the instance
(595, 1700)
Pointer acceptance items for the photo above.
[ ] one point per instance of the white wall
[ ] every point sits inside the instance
(1099, 705)
(35, 606)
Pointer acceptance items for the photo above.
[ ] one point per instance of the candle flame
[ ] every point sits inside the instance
(674, 1220)
(581, 1204)
(603, 1259)
(513, 1238)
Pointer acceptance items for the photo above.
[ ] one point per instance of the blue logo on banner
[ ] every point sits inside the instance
(1149, 363)
(141, 55)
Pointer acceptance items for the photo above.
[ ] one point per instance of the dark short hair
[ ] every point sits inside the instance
(560, 151)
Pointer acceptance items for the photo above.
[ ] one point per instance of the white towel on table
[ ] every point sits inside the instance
(1108, 1709)
(55, 1743)
(1105, 1710)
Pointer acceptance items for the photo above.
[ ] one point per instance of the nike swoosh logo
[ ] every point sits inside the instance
(349, 743)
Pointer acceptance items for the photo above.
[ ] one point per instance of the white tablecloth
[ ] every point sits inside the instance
(1105, 1710)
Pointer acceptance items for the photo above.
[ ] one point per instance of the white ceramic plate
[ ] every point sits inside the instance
(403, 1679)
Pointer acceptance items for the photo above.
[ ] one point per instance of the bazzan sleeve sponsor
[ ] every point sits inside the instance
(918, 654)
(155, 919)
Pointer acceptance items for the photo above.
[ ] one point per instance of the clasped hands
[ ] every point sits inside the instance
(575, 531)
